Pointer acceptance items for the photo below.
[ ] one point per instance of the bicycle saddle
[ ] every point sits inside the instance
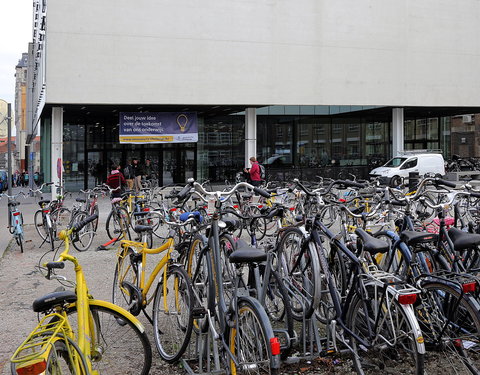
(50, 300)
(371, 244)
(413, 238)
(463, 240)
(142, 228)
(244, 253)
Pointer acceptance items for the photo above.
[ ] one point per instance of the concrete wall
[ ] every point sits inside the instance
(264, 52)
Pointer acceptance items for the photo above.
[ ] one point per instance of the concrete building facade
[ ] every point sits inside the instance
(309, 82)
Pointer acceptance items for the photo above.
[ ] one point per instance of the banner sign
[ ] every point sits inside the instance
(158, 127)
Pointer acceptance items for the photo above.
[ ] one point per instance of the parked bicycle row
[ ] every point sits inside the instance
(251, 280)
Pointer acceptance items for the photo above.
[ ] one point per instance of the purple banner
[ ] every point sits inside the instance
(158, 127)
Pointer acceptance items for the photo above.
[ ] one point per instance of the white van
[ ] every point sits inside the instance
(398, 168)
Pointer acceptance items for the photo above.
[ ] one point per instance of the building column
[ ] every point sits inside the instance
(250, 134)
(397, 131)
(57, 148)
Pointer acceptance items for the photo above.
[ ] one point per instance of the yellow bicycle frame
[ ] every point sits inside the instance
(141, 248)
(85, 331)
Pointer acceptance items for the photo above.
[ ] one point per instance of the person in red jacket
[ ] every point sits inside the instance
(254, 172)
(116, 180)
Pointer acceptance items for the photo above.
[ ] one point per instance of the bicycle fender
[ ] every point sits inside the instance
(120, 310)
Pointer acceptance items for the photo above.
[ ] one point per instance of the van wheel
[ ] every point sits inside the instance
(395, 181)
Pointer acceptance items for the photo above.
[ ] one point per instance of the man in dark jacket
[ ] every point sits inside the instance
(138, 173)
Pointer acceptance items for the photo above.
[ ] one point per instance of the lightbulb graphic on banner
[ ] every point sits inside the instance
(182, 121)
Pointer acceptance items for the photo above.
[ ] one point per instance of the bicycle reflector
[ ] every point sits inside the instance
(46, 211)
(16, 213)
(407, 299)
(275, 345)
(34, 368)
(469, 287)
(146, 209)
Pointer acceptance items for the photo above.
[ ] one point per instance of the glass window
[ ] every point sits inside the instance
(410, 164)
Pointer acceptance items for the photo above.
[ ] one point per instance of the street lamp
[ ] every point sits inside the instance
(8, 117)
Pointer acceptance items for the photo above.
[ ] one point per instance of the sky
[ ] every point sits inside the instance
(15, 34)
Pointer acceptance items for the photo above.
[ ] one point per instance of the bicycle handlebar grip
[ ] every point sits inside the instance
(182, 194)
(439, 181)
(476, 195)
(48, 183)
(52, 265)
(261, 192)
(80, 225)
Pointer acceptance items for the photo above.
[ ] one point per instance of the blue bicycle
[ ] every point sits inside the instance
(15, 223)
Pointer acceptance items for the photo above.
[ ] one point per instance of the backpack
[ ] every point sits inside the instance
(263, 172)
(127, 172)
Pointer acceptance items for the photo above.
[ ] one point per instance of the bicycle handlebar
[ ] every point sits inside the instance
(362, 216)
(13, 196)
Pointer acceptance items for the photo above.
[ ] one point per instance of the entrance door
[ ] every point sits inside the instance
(178, 164)
(96, 169)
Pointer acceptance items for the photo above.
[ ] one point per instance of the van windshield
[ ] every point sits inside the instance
(395, 162)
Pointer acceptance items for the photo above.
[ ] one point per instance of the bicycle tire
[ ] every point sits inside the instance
(19, 240)
(85, 235)
(118, 224)
(119, 346)
(40, 225)
(199, 269)
(60, 220)
(396, 326)
(460, 340)
(59, 360)
(249, 339)
(126, 271)
(173, 317)
(303, 275)
(259, 223)
(278, 308)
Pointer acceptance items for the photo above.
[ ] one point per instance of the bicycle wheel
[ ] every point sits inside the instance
(300, 269)
(64, 357)
(278, 308)
(125, 293)
(259, 224)
(451, 327)
(118, 345)
(19, 239)
(390, 330)
(336, 266)
(84, 236)
(95, 211)
(60, 220)
(249, 340)
(227, 246)
(40, 225)
(173, 314)
(198, 267)
(118, 224)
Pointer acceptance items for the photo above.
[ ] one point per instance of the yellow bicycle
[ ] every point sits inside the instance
(79, 334)
(172, 312)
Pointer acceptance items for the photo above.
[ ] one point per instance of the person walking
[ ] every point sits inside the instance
(254, 172)
(138, 173)
(129, 175)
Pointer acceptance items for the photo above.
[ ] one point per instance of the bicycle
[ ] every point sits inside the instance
(51, 217)
(373, 317)
(79, 334)
(118, 220)
(172, 312)
(239, 327)
(15, 221)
